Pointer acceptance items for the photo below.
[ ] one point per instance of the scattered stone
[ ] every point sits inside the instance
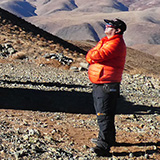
(84, 65)
(6, 50)
(27, 137)
(64, 60)
(146, 156)
(131, 155)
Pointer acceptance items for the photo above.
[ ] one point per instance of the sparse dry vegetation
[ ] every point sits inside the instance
(32, 43)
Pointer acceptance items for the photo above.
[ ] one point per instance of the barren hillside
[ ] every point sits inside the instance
(33, 43)
(83, 20)
(140, 4)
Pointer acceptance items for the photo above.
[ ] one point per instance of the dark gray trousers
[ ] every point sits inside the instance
(105, 101)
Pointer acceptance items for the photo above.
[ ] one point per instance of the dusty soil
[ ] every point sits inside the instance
(76, 130)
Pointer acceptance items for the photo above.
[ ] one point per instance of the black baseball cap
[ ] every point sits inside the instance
(117, 23)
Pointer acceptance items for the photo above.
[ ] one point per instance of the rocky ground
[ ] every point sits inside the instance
(46, 103)
(47, 113)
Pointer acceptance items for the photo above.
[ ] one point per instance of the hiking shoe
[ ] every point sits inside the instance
(96, 141)
(100, 151)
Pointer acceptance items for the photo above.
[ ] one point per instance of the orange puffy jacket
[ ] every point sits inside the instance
(107, 60)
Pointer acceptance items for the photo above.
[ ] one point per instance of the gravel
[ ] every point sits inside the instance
(22, 138)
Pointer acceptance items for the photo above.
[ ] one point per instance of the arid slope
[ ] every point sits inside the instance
(83, 20)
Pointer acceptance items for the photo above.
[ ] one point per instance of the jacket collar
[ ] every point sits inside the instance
(115, 36)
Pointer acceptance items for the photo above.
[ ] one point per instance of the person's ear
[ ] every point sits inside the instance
(118, 30)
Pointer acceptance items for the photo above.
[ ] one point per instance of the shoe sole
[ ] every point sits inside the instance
(101, 153)
(96, 142)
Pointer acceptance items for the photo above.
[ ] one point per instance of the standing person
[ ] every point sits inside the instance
(107, 61)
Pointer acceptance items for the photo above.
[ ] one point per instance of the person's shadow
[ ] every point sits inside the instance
(126, 107)
(138, 153)
(69, 102)
(61, 101)
(47, 101)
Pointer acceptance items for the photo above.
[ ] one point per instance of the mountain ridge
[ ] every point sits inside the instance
(33, 43)
(36, 30)
(71, 17)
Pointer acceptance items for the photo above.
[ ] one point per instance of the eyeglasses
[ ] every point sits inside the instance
(108, 25)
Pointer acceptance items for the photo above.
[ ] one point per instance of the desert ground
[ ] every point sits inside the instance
(46, 106)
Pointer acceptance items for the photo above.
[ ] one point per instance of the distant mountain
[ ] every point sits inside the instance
(21, 8)
(45, 7)
(83, 20)
(137, 5)
(34, 45)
